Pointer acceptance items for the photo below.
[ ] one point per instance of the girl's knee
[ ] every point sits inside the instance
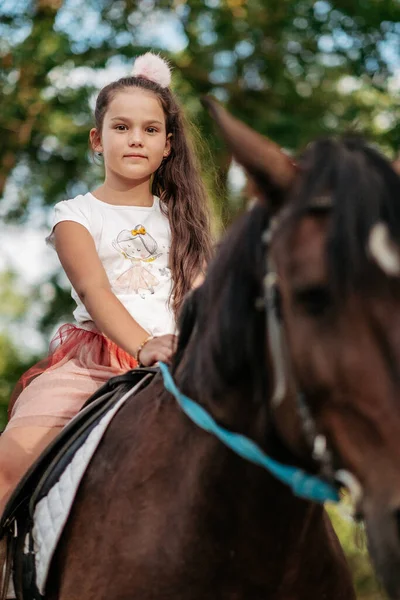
(20, 447)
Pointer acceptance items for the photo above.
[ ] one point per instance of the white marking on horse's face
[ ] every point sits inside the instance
(383, 250)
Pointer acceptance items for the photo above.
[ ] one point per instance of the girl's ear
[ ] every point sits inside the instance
(167, 149)
(95, 140)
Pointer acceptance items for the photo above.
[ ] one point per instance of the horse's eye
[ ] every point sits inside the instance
(315, 301)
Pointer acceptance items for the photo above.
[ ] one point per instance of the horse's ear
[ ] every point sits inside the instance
(270, 168)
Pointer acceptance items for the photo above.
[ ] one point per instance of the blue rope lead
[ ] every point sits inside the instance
(301, 484)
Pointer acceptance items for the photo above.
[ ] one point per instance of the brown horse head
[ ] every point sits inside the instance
(335, 250)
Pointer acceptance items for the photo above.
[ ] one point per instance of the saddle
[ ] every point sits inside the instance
(17, 520)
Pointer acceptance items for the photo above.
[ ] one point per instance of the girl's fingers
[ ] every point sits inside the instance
(160, 356)
(170, 339)
(167, 346)
(164, 353)
(160, 348)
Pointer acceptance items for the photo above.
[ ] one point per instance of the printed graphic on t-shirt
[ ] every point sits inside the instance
(140, 248)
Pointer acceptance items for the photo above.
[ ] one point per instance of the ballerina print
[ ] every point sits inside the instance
(139, 247)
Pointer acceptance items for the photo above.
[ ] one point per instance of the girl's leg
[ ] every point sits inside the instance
(19, 448)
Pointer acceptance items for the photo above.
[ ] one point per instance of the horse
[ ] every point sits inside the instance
(288, 343)
(335, 260)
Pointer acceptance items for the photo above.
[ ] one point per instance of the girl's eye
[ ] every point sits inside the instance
(121, 127)
(151, 130)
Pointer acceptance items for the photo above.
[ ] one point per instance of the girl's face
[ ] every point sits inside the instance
(133, 139)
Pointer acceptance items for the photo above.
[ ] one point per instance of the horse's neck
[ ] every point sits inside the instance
(242, 500)
(233, 404)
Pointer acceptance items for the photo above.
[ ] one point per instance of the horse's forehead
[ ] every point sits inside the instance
(301, 251)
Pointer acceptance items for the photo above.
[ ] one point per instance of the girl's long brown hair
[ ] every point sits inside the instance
(178, 184)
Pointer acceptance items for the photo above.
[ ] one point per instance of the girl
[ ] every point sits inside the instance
(131, 249)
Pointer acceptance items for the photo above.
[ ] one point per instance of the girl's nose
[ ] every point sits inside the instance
(136, 139)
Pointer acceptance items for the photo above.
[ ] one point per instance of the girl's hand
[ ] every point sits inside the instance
(158, 348)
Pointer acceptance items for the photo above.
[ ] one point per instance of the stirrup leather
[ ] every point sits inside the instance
(5, 575)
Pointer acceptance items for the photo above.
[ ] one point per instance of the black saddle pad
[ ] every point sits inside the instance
(46, 470)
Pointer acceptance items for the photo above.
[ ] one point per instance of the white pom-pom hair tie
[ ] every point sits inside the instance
(152, 67)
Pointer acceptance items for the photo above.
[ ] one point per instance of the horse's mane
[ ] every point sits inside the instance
(186, 324)
(220, 330)
(364, 189)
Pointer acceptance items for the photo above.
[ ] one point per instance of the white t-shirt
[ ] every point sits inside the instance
(133, 243)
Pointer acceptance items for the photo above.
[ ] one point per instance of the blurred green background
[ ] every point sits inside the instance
(292, 69)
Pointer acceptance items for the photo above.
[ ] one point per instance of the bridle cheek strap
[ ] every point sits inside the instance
(275, 336)
(281, 366)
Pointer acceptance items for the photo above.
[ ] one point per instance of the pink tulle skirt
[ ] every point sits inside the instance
(53, 391)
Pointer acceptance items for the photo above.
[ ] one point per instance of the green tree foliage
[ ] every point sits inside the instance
(12, 365)
(353, 539)
(13, 304)
(277, 65)
(13, 307)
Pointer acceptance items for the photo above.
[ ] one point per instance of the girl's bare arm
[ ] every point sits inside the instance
(78, 256)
